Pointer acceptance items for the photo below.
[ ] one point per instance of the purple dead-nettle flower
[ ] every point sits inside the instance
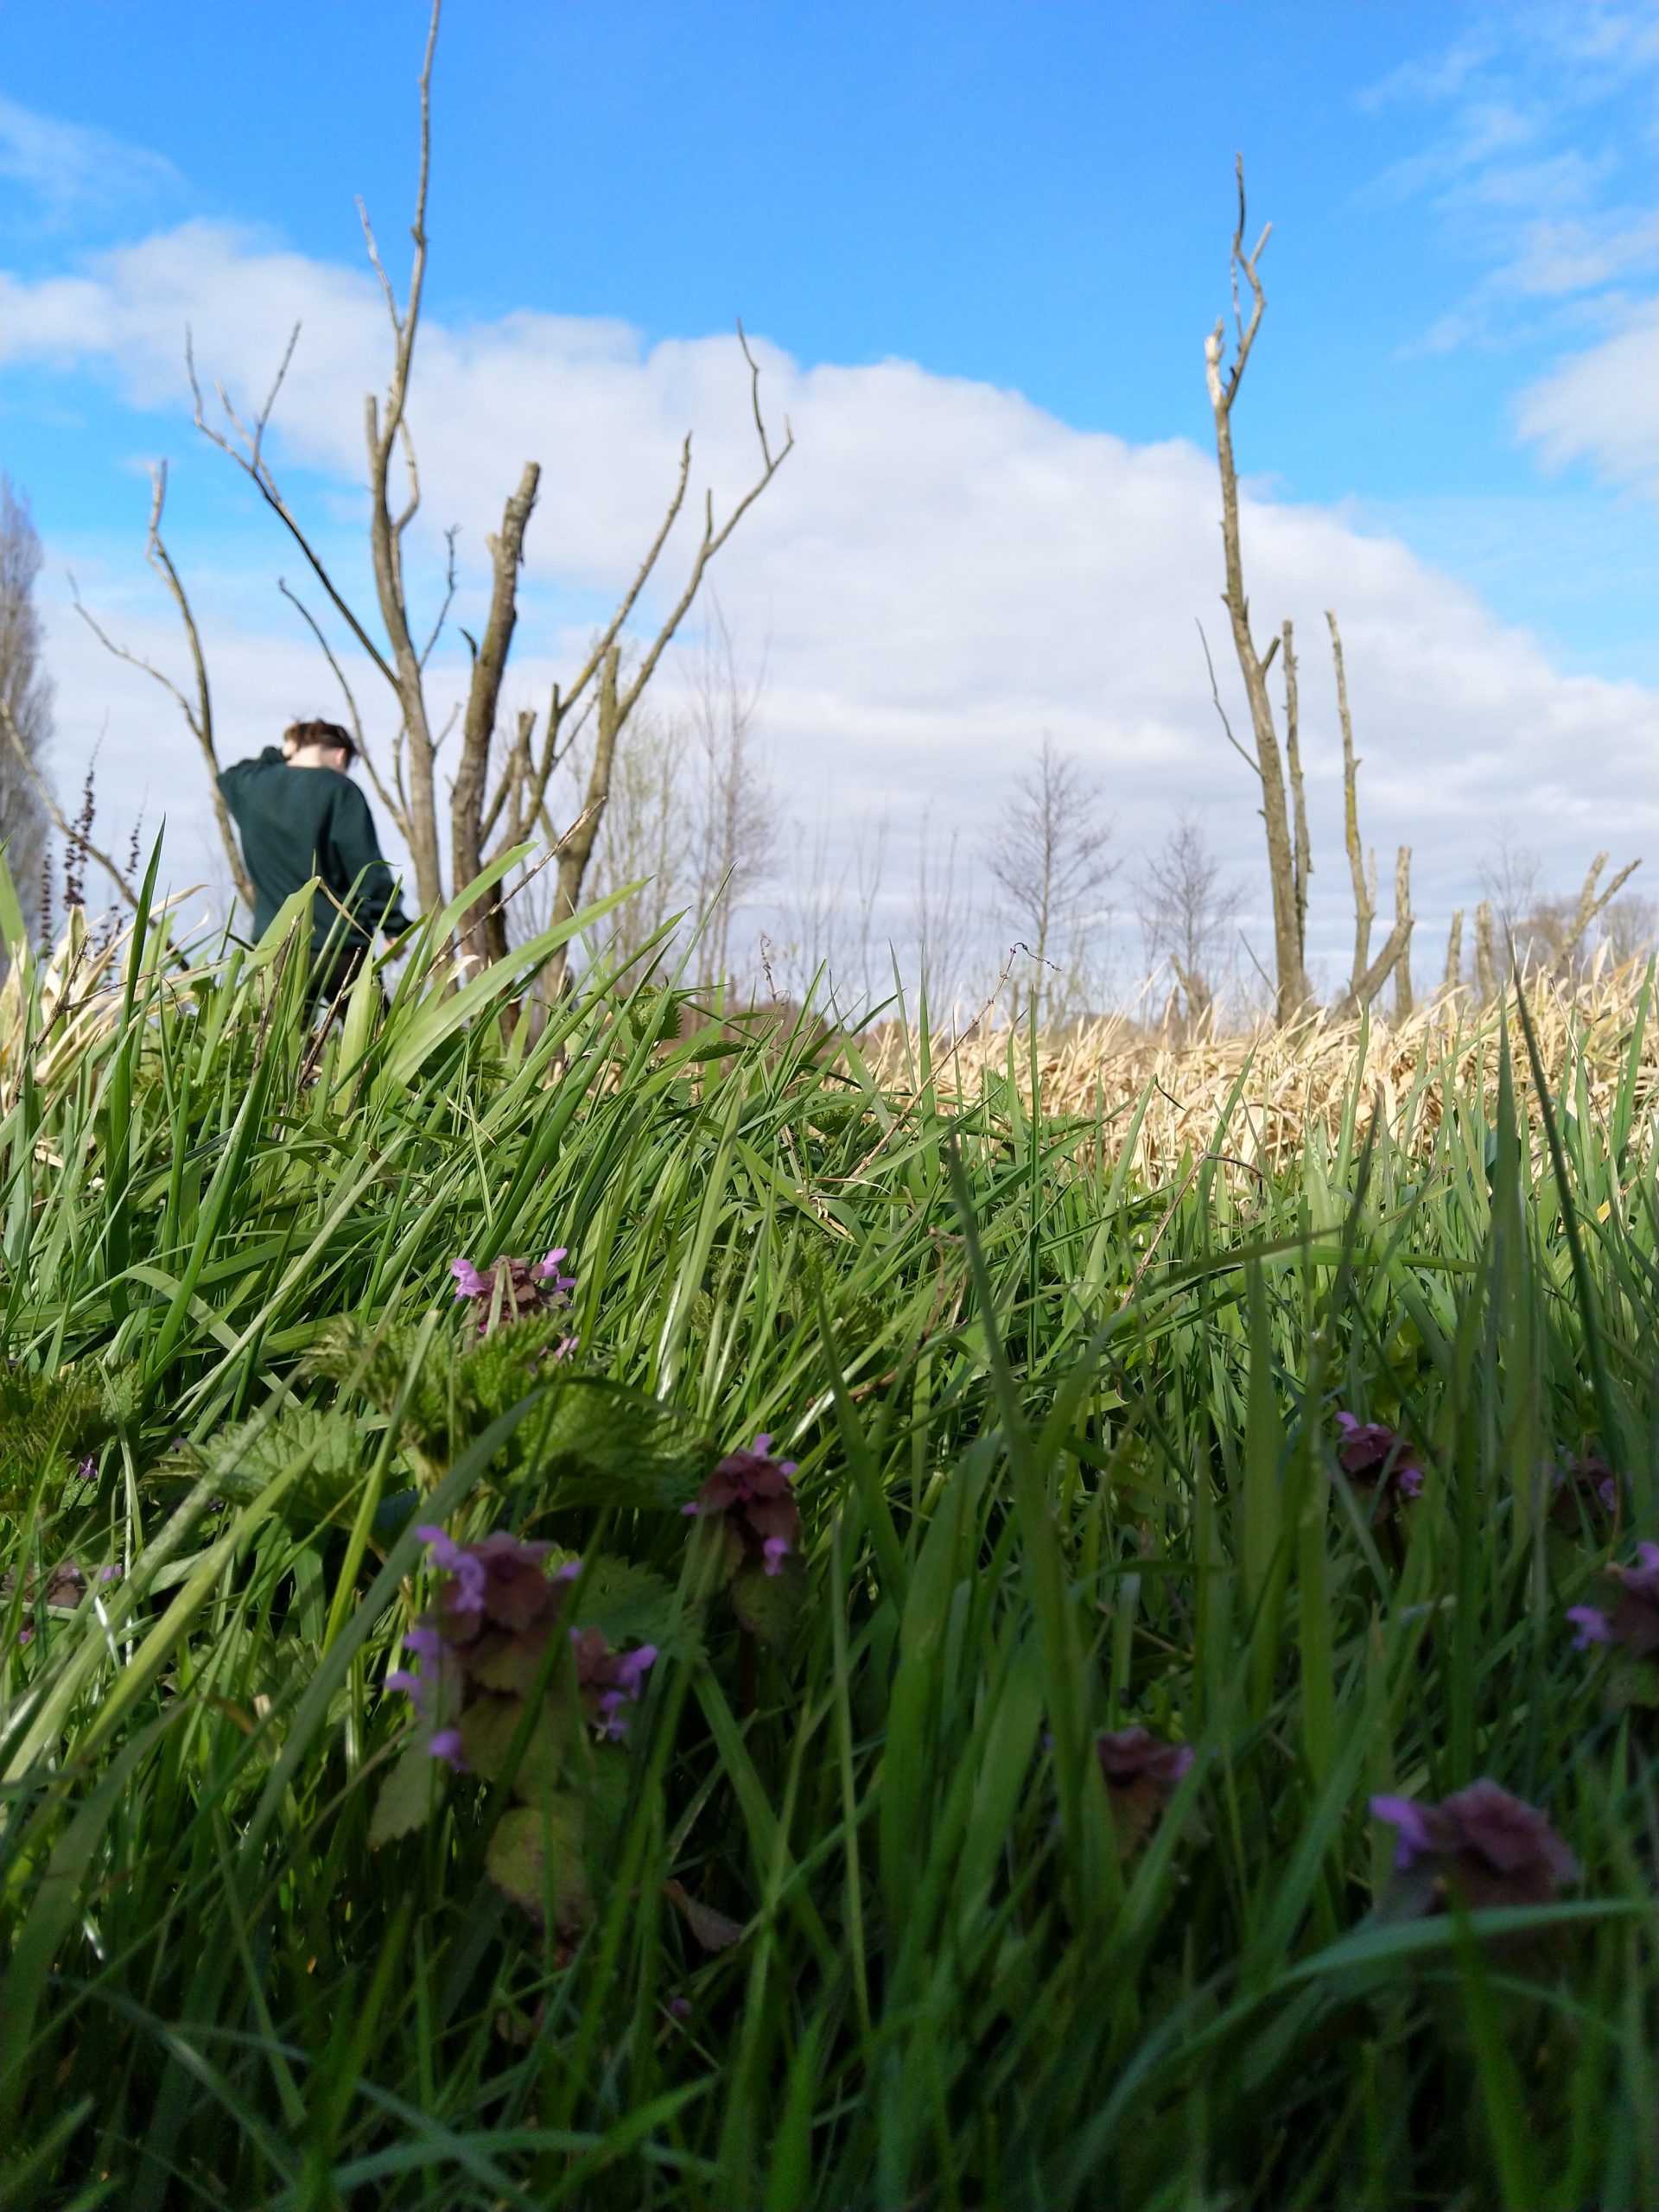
(609, 1681)
(1587, 1489)
(446, 1745)
(526, 1287)
(752, 1495)
(1141, 1776)
(1633, 1621)
(1374, 1457)
(1488, 1847)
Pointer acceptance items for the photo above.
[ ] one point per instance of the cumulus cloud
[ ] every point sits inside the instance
(1602, 406)
(69, 172)
(941, 573)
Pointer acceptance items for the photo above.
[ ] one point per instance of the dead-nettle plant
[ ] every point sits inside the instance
(1278, 771)
(498, 791)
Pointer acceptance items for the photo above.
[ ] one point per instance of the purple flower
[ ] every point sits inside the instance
(1495, 1849)
(1593, 1626)
(1586, 1489)
(753, 1495)
(680, 2007)
(526, 1287)
(88, 1470)
(1633, 1621)
(1376, 1459)
(609, 1681)
(446, 1745)
(1141, 1776)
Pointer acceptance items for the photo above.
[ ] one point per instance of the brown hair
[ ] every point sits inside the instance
(329, 733)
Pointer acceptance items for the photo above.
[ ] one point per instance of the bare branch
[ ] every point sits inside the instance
(449, 537)
(198, 715)
(713, 540)
(385, 797)
(1255, 767)
(1589, 906)
(264, 414)
(256, 468)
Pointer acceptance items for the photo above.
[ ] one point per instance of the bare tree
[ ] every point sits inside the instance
(1542, 930)
(733, 822)
(1287, 865)
(646, 837)
(1629, 927)
(1050, 859)
(942, 919)
(1187, 912)
(499, 794)
(26, 692)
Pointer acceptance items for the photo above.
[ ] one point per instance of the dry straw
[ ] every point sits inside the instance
(1164, 1096)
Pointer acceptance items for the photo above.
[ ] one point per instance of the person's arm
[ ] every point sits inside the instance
(372, 893)
(232, 780)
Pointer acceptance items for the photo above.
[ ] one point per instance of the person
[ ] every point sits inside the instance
(299, 814)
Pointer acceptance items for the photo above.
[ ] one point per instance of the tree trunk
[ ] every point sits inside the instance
(466, 798)
(1454, 977)
(577, 849)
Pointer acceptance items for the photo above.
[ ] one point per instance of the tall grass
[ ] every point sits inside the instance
(1066, 1450)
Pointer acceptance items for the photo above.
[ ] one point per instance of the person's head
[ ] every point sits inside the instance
(318, 745)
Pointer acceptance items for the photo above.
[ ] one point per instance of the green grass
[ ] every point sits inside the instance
(1066, 1455)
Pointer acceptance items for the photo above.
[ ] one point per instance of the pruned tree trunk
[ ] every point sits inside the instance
(1301, 856)
(1485, 965)
(1361, 992)
(1453, 980)
(1292, 991)
(576, 849)
(1404, 999)
(1365, 894)
(468, 792)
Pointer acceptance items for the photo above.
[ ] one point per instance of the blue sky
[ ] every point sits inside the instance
(1032, 198)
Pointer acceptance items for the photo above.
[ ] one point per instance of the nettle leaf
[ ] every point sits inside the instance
(591, 1441)
(411, 1793)
(768, 1605)
(244, 1461)
(630, 1603)
(50, 1422)
(509, 1663)
(536, 1857)
(487, 1728)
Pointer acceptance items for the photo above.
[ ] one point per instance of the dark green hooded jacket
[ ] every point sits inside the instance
(298, 823)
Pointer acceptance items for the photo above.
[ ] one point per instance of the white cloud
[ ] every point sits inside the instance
(1602, 406)
(941, 572)
(70, 172)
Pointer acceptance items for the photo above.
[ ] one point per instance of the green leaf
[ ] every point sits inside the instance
(411, 1793)
(534, 1856)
